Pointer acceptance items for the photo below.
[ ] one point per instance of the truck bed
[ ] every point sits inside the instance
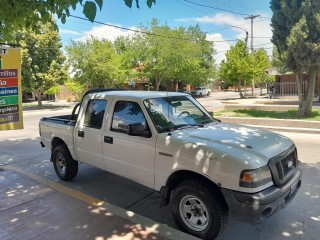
(62, 119)
(61, 127)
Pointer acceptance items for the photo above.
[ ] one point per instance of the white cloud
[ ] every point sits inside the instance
(219, 45)
(68, 31)
(262, 32)
(105, 32)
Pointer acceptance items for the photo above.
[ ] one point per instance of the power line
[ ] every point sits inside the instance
(147, 33)
(239, 26)
(220, 9)
(190, 7)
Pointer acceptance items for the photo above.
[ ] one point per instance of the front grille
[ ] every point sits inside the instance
(283, 166)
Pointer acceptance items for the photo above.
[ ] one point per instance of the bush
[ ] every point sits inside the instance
(224, 86)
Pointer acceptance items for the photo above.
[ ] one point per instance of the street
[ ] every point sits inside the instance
(20, 150)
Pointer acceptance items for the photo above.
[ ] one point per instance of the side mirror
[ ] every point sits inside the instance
(137, 129)
(211, 115)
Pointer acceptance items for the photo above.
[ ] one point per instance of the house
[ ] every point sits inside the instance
(285, 84)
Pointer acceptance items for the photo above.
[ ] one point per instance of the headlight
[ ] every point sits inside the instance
(253, 178)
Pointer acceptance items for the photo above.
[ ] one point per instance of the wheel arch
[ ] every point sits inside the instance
(56, 141)
(179, 176)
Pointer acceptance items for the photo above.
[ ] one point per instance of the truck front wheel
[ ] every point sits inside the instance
(198, 211)
(64, 165)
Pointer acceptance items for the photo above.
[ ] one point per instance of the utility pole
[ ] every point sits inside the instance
(251, 47)
(252, 17)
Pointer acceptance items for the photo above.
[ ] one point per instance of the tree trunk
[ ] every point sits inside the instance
(158, 82)
(240, 89)
(38, 95)
(252, 88)
(306, 97)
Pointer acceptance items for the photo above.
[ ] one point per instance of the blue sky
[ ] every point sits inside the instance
(216, 23)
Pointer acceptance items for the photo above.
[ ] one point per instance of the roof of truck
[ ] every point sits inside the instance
(137, 94)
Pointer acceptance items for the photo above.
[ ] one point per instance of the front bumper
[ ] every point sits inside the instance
(249, 207)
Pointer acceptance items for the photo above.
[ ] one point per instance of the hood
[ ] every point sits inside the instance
(260, 142)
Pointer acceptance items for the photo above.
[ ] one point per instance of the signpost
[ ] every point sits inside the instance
(10, 89)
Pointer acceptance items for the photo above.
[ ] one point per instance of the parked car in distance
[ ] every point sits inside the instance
(201, 92)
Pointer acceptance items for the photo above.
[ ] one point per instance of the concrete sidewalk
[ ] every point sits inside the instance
(287, 125)
(33, 208)
(265, 104)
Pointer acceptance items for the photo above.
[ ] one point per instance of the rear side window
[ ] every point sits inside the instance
(94, 113)
(126, 113)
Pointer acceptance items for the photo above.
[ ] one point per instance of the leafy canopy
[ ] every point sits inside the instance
(237, 65)
(18, 14)
(42, 66)
(296, 34)
(183, 57)
(95, 63)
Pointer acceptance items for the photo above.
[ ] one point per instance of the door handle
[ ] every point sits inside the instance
(81, 134)
(108, 139)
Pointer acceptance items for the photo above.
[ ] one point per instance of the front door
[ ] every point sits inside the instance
(129, 156)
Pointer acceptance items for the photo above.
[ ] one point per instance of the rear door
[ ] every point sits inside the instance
(129, 156)
(88, 133)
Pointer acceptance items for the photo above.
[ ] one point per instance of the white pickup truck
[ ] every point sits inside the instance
(207, 170)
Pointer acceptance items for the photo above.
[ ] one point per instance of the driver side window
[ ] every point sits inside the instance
(126, 113)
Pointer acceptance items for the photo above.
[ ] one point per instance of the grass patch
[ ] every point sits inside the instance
(290, 114)
(45, 106)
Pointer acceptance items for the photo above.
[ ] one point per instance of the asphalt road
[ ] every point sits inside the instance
(20, 149)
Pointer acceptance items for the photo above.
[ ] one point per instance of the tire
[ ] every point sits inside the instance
(208, 94)
(64, 165)
(200, 94)
(197, 210)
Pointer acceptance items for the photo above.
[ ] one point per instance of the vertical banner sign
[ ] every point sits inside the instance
(10, 89)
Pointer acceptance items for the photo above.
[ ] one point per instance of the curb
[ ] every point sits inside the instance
(286, 125)
(269, 107)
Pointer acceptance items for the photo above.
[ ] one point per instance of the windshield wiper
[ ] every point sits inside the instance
(180, 126)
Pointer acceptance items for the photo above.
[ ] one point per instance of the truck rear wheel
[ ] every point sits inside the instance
(64, 165)
(197, 211)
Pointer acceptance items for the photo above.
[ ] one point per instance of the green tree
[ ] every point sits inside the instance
(42, 61)
(296, 35)
(164, 55)
(238, 66)
(19, 14)
(183, 56)
(95, 63)
(260, 64)
(75, 88)
(278, 63)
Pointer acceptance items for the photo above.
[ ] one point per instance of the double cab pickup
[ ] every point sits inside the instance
(205, 169)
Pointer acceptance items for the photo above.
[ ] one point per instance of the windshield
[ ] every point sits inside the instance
(170, 113)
